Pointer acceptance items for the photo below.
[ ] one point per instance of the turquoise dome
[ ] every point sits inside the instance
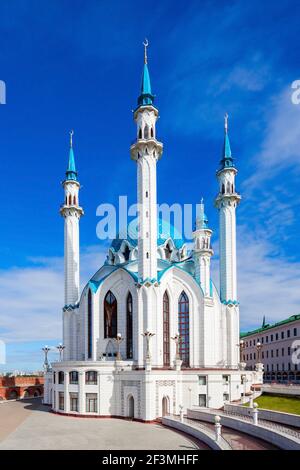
(165, 231)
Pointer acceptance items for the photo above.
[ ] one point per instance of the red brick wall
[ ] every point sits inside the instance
(20, 386)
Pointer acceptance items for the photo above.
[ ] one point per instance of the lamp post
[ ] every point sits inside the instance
(258, 349)
(241, 348)
(177, 339)
(46, 349)
(148, 336)
(244, 379)
(119, 340)
(60, 349)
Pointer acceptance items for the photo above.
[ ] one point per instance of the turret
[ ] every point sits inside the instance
(146, 151)
(71, 211)
(202, 252)
(227, 201)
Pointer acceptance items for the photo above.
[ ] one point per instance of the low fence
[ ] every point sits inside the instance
(277, 389)
(277, 435)
(198, 431)
(275, 416)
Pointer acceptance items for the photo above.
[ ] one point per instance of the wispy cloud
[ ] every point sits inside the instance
(267, 284)
(32, 297)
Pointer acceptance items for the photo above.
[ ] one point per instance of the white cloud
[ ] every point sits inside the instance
(32, 297)
(267, 285)
(280, 149)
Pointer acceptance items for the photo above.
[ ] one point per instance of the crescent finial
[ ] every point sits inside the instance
(146, 44)
(71, 138)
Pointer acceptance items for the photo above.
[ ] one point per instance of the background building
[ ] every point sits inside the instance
(278, 345)
(15, 387)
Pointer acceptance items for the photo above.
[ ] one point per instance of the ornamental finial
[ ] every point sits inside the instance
(71, 138)
(226, 123)
(146, 44)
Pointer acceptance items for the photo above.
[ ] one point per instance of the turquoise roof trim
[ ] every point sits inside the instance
(71, 173)
(70, 307)
(146, 97)
(230, 302)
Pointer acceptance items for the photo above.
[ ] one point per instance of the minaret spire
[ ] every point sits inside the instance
(146, 97)
(227, 159)
(71, 173)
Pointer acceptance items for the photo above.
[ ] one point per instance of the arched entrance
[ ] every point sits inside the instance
(131, 407)
(37, 393)
(165, 406)
(13, 395)
(26, 394)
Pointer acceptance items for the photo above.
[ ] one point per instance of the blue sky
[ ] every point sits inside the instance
(77, 64)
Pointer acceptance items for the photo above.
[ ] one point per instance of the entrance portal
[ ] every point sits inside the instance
(165, 406)
(131, 407)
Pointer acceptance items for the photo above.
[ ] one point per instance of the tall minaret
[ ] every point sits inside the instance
(227, 201)
(71, 211)
(146, 151)
(202, 251)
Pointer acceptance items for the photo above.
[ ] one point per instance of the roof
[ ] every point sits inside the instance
(146, 97)
(71, 173)
(165, 231)
(268, 327)
(227, 159)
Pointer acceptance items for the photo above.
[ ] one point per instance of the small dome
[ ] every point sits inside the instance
(165, 230)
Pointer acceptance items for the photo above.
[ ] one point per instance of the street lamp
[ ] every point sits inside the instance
(46, 349)
(119, 340)
(60, 349)
(258, 348)
(177, 339)
(244, 380)
(148, 336)
(241, 347)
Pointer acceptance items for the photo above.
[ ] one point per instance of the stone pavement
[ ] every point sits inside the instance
(30, 425)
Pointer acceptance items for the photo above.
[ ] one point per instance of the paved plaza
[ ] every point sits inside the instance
(29, 425)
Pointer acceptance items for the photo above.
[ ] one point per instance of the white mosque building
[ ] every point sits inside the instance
(150, 333)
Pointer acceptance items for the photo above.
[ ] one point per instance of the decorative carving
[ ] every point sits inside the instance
(165, 383)
(131, 383)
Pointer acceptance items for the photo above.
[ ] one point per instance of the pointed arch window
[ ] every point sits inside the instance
(140, 133)
(146, 132)
(166, 330)
(126, 253)
(70, 200)
(90, 326)
(129, 345)
(110, 315)
(184, 329)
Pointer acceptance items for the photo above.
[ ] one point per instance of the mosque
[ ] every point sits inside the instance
(150, 333)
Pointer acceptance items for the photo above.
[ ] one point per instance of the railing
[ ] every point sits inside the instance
(264, 423)
(223, 443)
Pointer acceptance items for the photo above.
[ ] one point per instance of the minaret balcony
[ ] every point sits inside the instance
(138, 146)
(227, 197)
(66, 209)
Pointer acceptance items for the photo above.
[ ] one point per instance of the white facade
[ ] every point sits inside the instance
(150, 285)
